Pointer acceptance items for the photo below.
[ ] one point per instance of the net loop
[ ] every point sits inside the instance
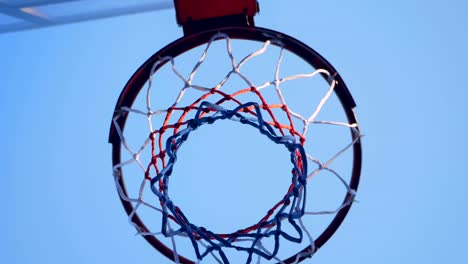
(270, 225)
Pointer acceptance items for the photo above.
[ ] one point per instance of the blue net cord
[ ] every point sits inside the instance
(291, 208)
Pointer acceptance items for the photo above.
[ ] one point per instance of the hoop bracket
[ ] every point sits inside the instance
(198, 15)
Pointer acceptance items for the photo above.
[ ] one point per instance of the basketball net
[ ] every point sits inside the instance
(278, 121)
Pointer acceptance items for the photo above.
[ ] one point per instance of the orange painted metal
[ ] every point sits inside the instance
(194, 10)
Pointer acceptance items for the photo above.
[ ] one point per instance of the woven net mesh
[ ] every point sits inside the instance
(163, 123)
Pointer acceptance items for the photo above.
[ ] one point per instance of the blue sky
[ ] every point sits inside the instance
(404, 62)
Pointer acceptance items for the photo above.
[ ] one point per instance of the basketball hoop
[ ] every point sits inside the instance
(261, 105)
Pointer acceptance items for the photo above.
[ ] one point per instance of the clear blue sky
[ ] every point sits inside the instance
(404, 62)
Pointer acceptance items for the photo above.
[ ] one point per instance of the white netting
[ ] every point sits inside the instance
(145, 156)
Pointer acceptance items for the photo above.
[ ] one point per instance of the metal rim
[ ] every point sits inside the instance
(137, 81)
